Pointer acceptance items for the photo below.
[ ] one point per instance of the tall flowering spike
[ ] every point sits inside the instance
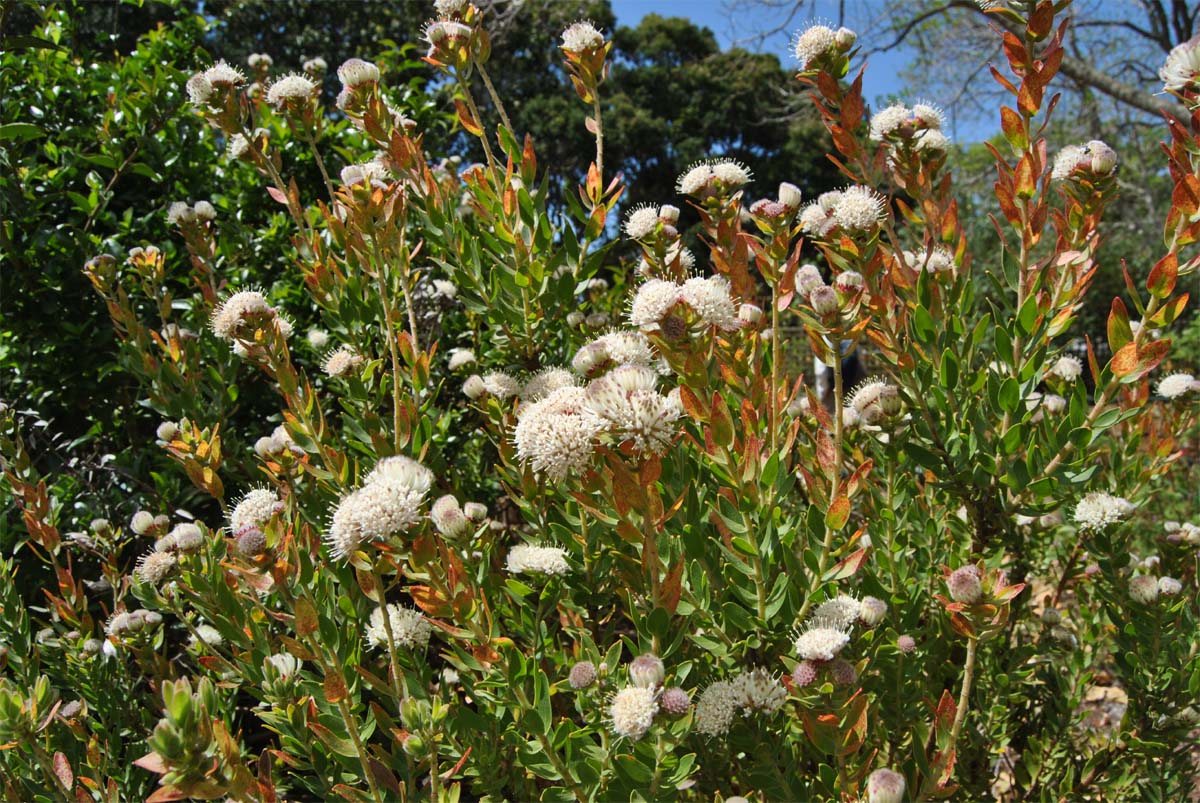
(586, 55)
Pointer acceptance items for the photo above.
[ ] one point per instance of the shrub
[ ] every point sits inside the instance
(536, 524)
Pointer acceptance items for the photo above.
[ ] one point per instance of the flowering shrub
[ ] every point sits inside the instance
(533, 523)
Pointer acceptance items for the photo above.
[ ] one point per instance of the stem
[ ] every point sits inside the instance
(599, 135)
(385, 299)
(487, 82)
(312, 141)
(960, 715)
(659, 744)
(47, 765)
(393, 658)
(552, 754)
(836, 481)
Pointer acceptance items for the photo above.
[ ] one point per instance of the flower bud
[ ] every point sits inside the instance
(906, 644)
(473, 387)
(101, 527)
(675, 702)
(1144, 589)
(582, 675)
(824, 301)
(167, 431)
(1169, 586)
(251, 541)
(448, 517)
(414, 746)
(805, 674)
(750, 314)
(475, 511)
(871, 611)
(646, 671)
(668, 214)
(842, 672)
(575, 318)
(964, 585)
(808, 278)
(789, 196)
(1104, 158)
(885, 786)
(142, 523)
(848, 283)
(845, 39)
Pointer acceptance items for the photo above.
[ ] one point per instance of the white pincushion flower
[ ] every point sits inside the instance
(154, 567)
(821, 643)
(631, 409)
(1053, 403)
(285, 664)
(199, 89)
(582, 36)
(207, 635)
(731, 174)
(205, 211)
(342, 362)
(1173, 386)
(652, 302)
(239, 308)
(289, 88)
(354, 72)
(632, 711)
(368, 172)
(254, 509)
(710, 299)
(545, 382)
(641, 222)
(717, 707)
(695, 179)
(939, 259)
(401, 471)
(222, 74)
(410, 628)
(533, 559)
(374, 512)
(928, 115)
(1182, 66)
(814, 43)
(1067, 368)
(1094, 157)
(840, 612)
(554, 435)
(931, 140)
(886, 121)
(1065, 161)
(759, 690)
(501, 385)
(179, 213)
(859, 209)
(1097, 510)
(627, 348)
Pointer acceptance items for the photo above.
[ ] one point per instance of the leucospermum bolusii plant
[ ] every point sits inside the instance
(536, 522)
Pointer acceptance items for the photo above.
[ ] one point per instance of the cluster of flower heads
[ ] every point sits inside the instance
(632, 710)
(874, 400)
(131, 623)
(919, 126)
(277, 444)
(938, 260)
(409, 627)
(1098, 510)
(181, 213)
(1182, 532)
(753, 691)
(156, 566)
(817, 43)
(388, 503)
(712, 177)
(854, 210)
(203, 87)
(709, 300)
(1092, 159)
(820, 643)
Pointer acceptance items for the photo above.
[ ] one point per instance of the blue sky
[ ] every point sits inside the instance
(745, 27)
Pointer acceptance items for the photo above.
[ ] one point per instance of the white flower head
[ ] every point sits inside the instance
(629, 408)
(653, 301)
(410, 628)
(695, 179)
(717, 707)
(1067, 368)
(813, 43)
(372, 513)
(1182, 66)
(501, 385)
(459, 358)
(255, 509)
(1097, 510)
(641, 222)
(632, 711)
(355, 72)
(1175, 385)
(712, 302)
(245, 307)
(294, 87)
(222, 74)
(534, 559)
(821, 643)
(554, 435)
(859, 209)
(545, 382)
(343, 361)
(840, 612)
(582, 36)
(760, 691)
(886, 121)
(403, 472)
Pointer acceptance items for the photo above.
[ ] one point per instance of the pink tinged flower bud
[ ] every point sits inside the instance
(845, 39)
(646, 671)
(824, 301)
(767, 208)
(808, 278)
(871, 611)
(805, 674)
(167, 431)
(848, 282)
(582, 675)
(250, 541)
(965, 585)
(750, 314)
(448, 517)
(355, 72)
(575, 318)
(885, 786)
(906, 644)
(842, 672)
(1104, 158)
(473, 387)
(668, 214)
(475, 511)
(789, 196)
(675, 702)
(1169, 586)
(1144, 589)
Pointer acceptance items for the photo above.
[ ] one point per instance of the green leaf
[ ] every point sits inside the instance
(20, 131)
(1010, 395)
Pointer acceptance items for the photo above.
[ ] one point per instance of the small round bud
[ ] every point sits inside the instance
(1144, 589)
(805, 674)
(964, 585)
(1051, 616)
(789, 196)
(161, 523)
(668, 214)
(750, 314)
(871, 611)
(142, 522)
(92, 646)
(475, 511)
(251, 541)
(151, 618)
(575, 318)
(646, 671)
(808, 278)
(885, 786)
(101, 527)
(71, 710)
(848, 282)
(906, 644)
(845, 38)
(824, 301)
(167, 431)
(582, 675)
(675, 702)
(473, 387)
(1169, 586)
(414, 745)
(448, 517)
(842, 672)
